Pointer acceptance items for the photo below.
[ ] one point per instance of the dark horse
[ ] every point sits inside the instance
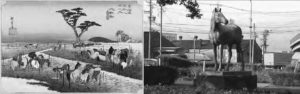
(223, 33)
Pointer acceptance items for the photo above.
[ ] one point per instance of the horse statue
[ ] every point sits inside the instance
(223, 33)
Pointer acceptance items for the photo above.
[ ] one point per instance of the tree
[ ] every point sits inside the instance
(122, 36)
(191, 5)
(71, 17)
(118, 35)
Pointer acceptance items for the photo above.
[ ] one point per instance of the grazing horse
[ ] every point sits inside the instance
(65, 70)
(61, 71)
(42, 60)
(35, 45)
(91, 72)
(73, 75)
(222, 33)
(98, 55)
(32, 55)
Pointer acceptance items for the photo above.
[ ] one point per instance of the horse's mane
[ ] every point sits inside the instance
(231, 21)
(212, 22)
(77, 65)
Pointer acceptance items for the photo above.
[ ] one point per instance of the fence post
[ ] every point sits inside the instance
(203, 66)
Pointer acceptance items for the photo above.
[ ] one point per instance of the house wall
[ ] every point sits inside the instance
(269, 59)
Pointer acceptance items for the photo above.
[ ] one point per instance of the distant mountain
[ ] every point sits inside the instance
(100, 39)
(38, 37)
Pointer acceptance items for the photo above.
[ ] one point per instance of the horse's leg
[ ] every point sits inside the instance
(63, 76)
(221, 58)
(215, 55)
(240, 54)
(229, 56)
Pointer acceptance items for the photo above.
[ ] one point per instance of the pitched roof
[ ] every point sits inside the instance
(155, 42)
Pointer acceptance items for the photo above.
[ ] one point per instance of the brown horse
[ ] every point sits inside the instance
(223, 33)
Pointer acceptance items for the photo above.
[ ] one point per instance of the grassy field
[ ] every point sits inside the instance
(133, 71)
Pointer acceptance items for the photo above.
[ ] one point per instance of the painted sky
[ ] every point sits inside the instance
(38, 18)
(282, 17)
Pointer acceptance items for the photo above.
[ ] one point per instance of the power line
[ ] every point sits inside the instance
(246, 10)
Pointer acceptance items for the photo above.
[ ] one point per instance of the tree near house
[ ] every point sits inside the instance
(118, 35)
(191, 5)
(71, 17)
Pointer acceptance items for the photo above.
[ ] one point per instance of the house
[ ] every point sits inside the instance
(170, 36)
(205, 46)
(188, 45)
(295, 46)
(277, 60)
(155, 39)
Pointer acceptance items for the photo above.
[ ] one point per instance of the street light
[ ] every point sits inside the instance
(195, 38)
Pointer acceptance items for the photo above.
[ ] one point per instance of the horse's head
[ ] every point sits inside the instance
(77, 65)
(218, 16)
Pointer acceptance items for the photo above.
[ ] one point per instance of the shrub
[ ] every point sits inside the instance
(177, 89)
(155, 75)
(285, 78)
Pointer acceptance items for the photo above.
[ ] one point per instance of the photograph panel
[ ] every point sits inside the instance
(221, 47)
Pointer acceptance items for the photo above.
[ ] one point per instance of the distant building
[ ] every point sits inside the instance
(188, 45)
(155, 44)
(205, 46)
(277, 60)
(170, 36)
(295, 46)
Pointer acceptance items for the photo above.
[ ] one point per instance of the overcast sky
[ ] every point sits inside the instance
(282, 17)
(39, 18)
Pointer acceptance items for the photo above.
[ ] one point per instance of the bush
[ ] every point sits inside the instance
(285, 78)
(155, 75)
(291, 68)
(176, 89)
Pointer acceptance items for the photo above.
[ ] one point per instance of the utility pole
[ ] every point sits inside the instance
(250, 45)
(150, 29)
(253, 41)
(160, 35)
(195, 38)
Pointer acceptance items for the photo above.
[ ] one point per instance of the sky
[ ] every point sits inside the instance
(38, 19)
(281, 17)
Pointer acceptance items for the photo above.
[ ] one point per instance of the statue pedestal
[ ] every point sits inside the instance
(227, 80)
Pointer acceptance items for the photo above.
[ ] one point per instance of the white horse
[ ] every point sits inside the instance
(13, 64)
(35, 63)
(95, 54)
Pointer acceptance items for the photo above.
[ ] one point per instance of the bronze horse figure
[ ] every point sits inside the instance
(223, 33)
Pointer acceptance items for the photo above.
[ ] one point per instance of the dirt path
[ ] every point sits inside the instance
(111, 82)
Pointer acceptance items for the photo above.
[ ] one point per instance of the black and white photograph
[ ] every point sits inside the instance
(62, 46)
(221, 47)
